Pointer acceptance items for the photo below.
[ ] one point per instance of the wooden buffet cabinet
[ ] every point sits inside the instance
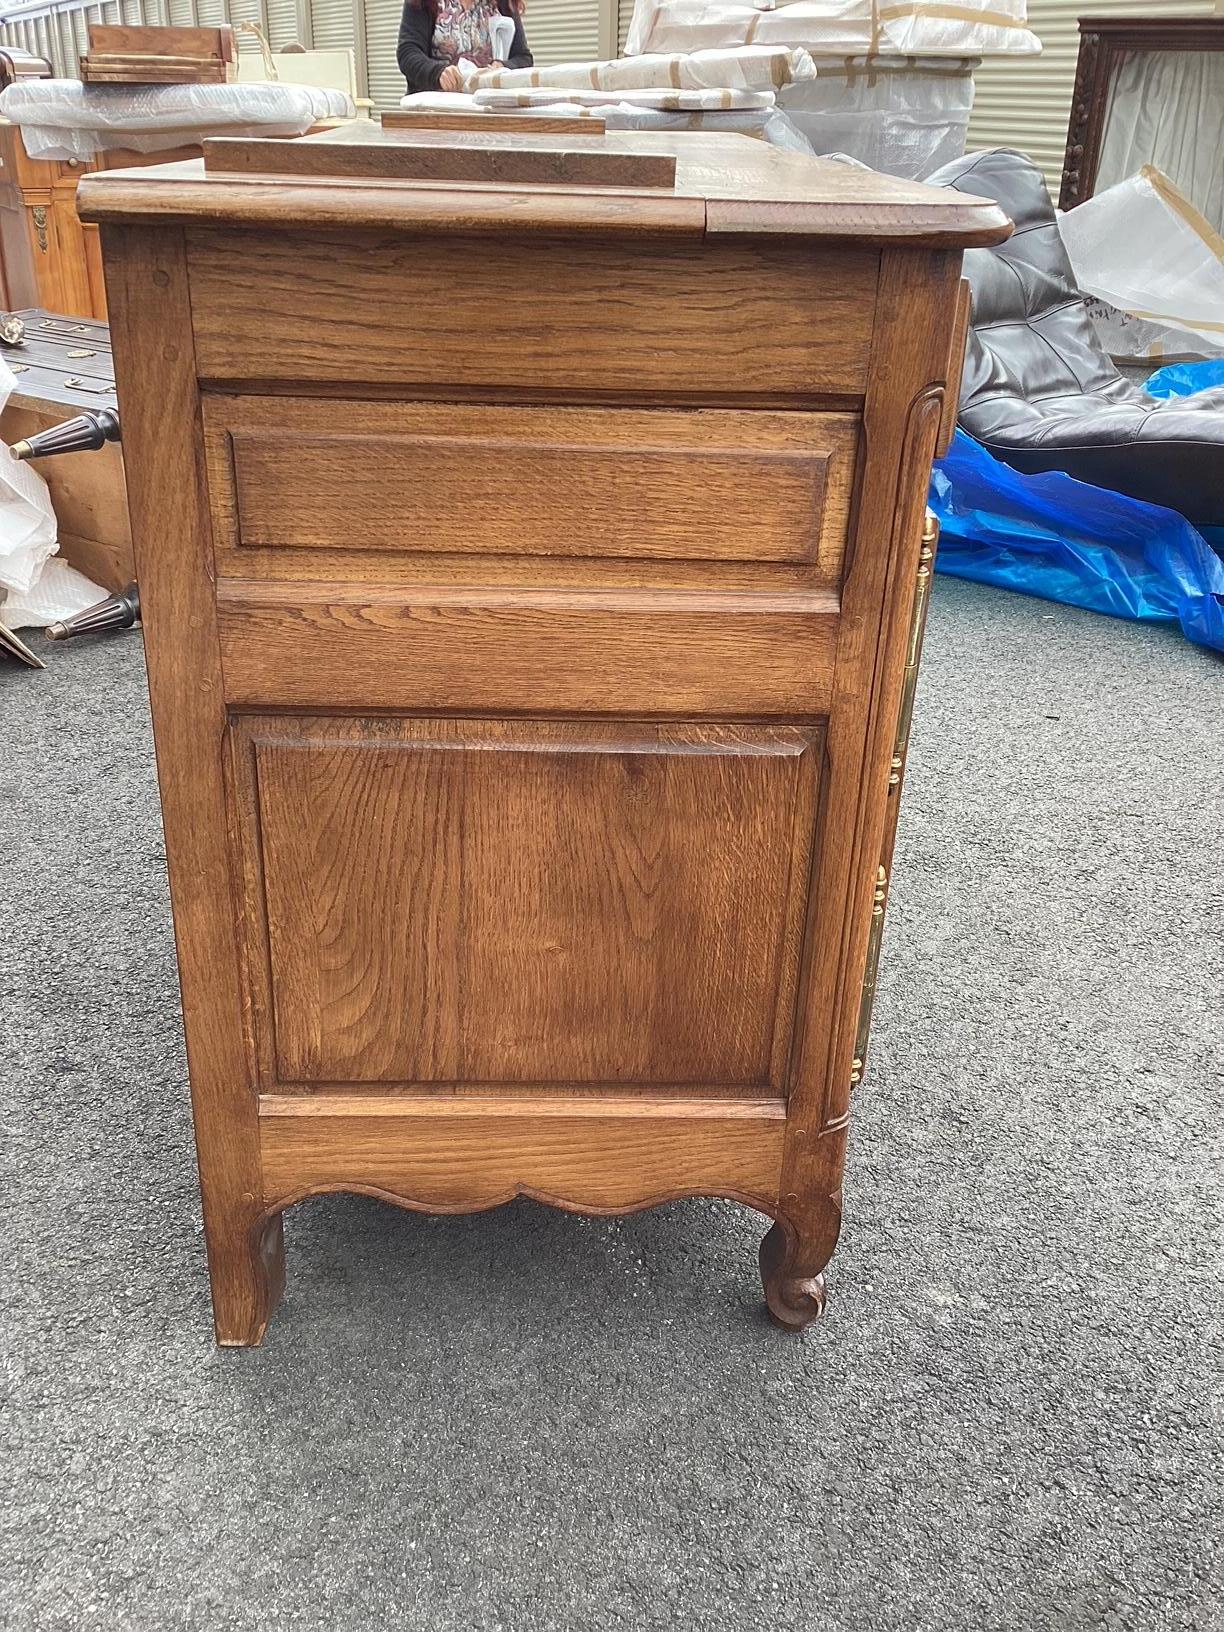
(530, 532)
(49, 257)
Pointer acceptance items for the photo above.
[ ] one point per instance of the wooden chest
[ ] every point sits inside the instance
(530, 532)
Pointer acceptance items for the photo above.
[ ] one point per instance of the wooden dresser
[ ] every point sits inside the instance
(530, 532)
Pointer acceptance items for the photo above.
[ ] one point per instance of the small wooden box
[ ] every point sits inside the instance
(531, 542)
(131, 55)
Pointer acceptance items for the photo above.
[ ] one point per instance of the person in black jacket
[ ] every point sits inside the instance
(434, 34)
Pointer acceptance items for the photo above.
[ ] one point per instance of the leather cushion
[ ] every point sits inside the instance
(1039, 390)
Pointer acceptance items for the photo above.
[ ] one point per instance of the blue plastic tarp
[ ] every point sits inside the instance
(1051, 536)
(1184, 379)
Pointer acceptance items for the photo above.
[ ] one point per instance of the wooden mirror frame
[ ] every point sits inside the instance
(1103, 42)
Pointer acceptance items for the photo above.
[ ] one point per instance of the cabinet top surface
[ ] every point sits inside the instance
(689, 184)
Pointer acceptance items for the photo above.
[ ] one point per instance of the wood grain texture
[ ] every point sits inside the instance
(534, 903)
(465, 1157)
(161, 40)
(491, 157)
(777, 319)
(151, 329)
(292, 473)
(737, 186)
(902, 419)
(505, 650)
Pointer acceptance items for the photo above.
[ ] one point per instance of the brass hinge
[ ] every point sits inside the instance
(913, 650)
(867, 999)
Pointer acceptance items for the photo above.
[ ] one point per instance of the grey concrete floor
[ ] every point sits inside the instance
(1011, 1416)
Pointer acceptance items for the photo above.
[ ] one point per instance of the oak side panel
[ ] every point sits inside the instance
(901, 423)
(582, 315)
(371, 479)
(367, 647)
(504, 904)
(159, 403)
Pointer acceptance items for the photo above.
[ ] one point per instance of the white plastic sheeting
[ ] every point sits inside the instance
(1166, 108)
(896, 115)
(746, 113)
(27, 522)
(59, 592)
(665, 100)
(34, 588)
(63, 119)
(1143, 248)
(837, 28)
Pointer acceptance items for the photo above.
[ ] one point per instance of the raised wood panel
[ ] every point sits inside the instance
(649, 319)
(377, 478)
(463, 1155)
(356, 647)
(547, 904)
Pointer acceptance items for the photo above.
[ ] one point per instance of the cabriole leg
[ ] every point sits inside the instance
(247, 1269)
(793, 1255)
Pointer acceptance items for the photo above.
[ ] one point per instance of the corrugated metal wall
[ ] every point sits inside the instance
(384, 82)
(1026, 103)
(624, 16)
(563, 30)
(332, 25)
(62, 35)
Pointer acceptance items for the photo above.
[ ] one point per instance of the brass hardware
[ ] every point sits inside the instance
(870, 968)
(909, 685)
(856, 1073)
(39, 213)
(99, 388)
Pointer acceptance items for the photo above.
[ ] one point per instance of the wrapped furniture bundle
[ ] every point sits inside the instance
(897, 114)
(63, 119)
(745, 113)
(755, 68)
(837, 28)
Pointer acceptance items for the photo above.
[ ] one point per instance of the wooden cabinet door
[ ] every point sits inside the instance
(512, 904)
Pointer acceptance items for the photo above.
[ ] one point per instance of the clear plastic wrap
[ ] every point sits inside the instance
(752, 68)
(837, 28)
(27, 521)
(747, 113)
(1143, 248)
(1130, 339)
(892, 114)
(63, 119)
(658, 97)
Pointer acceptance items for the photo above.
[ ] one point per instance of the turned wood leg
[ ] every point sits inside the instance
(246, 1266)
(793, 1255)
